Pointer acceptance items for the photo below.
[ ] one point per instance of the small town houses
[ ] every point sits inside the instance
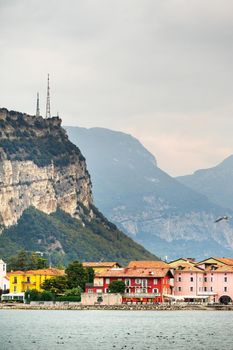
(146, 282)
(181, 280)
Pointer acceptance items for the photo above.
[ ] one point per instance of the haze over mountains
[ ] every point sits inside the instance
(216, 183)
(155, 209)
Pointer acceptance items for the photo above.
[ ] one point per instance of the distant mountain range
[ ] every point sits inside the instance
(158, 211)
(215, 183)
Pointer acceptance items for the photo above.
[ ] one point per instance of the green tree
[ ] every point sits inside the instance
(32, 295)
(116, 287)
(77, 275)
(73, 292)
(47, 296)
(55, 285)
(90, 274)
(27, 261)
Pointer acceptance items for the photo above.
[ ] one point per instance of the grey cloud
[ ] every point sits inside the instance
(161, 66)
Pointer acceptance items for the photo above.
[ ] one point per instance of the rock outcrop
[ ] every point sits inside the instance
(40, 167)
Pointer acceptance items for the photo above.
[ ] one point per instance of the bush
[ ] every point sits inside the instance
(117, 287)
(46, 296)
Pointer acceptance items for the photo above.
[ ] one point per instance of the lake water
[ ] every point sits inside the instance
(106, 330)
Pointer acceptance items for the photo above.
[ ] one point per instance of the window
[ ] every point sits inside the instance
(225, 289)
(28, 279)
(200, 279)
(138, 281)
(127, 282)
(144, 282)
(211, 289)
(225, 279)
(155, 290)
(107, 280)
(89, 291)
(4, 287)
(106, 290)
(155, 280)
(15, 280)
(144, 290)
(211, 279)
(199, 289)
(205, 279)
(15, 289)
(191, 289)
(191, 279)
(4, 267)
(179, 289)
(205, 289)
(179, 279)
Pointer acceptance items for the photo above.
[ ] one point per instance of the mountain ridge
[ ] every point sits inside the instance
(147, 203)
(40, 168)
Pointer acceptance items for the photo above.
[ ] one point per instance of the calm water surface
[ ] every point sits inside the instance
(106, 330)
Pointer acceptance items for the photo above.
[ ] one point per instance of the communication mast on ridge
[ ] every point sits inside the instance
(38, 106)
(48, 115)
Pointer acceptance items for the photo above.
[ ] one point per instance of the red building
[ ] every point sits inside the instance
(143, 284)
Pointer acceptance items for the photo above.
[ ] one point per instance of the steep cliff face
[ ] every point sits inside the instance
(40, 167)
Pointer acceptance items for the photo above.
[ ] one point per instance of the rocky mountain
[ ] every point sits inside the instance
(41, 169)
(149, 205)
(215, 183)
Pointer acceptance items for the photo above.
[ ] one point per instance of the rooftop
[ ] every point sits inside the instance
(47, 272)
(148, 264)
(100, 264)
(132, 272)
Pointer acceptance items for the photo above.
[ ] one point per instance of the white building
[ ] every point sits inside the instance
(4, 280)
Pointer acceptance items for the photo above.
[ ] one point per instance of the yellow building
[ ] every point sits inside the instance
(21, 281)
(101, 266)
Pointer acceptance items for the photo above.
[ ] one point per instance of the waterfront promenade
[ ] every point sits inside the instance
(123, 307)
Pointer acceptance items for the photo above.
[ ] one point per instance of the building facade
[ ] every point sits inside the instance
(4, 280)
(210, 280)
(21, 281)
(142, 285)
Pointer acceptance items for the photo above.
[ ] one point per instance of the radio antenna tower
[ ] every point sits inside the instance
(48, 115)
(38, 106)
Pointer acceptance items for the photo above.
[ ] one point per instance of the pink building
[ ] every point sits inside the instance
(210, 280)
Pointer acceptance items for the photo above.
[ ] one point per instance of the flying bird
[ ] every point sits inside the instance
(222, 218)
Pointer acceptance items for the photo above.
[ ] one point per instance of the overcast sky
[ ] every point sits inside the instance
(161, 70)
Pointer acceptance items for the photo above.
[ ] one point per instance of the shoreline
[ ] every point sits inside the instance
(78, 307)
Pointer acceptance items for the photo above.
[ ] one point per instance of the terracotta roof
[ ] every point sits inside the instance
(185, 267)
(48, 272)
(132, 272)
(100, 263)
(227, 261)
(148, 264)
(190, 260)
(224, 268)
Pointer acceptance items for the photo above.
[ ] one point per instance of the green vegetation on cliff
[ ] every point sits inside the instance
(24, 137)
(64, 239)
